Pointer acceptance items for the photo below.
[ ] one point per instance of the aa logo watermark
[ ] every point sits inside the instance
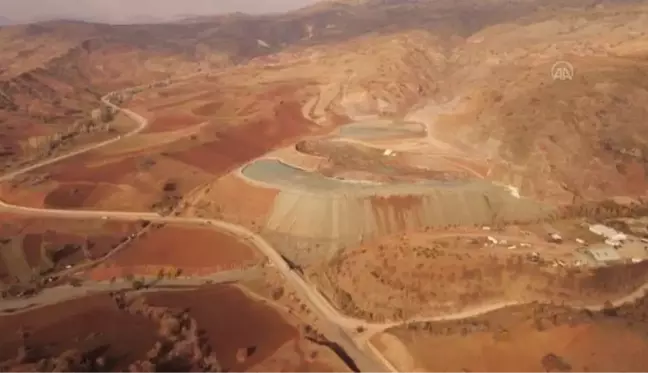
(562, 70)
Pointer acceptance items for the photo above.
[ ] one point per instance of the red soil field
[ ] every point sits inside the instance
(31, 248)
(172, 121)
(243, 143)
(101, 237)
(188, 88)
(14, 130)
(208, 109)
(100, 245)
(108, 172)
(175, 103)
(15, 224)
(232, 321)
(69, 251)
(239, 201)
(69, 196)
(20, 196)
(23, 129)
(4, 272)
(601, 347)
(635, 177)
(274, 96)
(78, 182)
(87, 324)
(194, 250)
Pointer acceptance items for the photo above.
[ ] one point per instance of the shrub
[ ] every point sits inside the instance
(138, 285)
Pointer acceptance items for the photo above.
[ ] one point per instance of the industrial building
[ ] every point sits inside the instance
(602, 254)
(612, 236)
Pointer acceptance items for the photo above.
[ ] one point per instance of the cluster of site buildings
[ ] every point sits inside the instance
(616, 248)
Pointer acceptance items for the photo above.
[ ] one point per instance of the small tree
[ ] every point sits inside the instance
(170, 187)
(278, 293)
(138, 284)
(160, 274)
(552, 362)
(609, 309)
(107, 114)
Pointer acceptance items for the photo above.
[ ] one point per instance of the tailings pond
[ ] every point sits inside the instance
(381, 128)
(286, 177)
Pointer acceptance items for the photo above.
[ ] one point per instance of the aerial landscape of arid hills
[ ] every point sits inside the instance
(354, 185)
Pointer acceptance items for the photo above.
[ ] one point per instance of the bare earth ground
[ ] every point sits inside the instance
(477, 76)
(271, 288)
(193, 251)
(32, 245)
(243, 333)
(232, 199)
(423, 274)
(87, 323)
(35, 249)
(525, 338)
(131, 175)
(236, 322)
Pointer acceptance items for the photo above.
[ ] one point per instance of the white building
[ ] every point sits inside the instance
(607, 232)
(603, 253)
(614, 243)
(555, 237)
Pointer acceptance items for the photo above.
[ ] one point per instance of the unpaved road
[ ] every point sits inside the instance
(337, 327)
(64, 293)
(330, 326)
(141, 121)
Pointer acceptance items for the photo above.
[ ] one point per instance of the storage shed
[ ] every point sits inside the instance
(603, 253)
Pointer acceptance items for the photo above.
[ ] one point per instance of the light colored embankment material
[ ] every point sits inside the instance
(315, 216)
(381, 128)
(318, 224)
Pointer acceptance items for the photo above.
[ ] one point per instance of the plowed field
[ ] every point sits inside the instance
(232, 321)
(238, 145)
(87, 324)
(190, 249)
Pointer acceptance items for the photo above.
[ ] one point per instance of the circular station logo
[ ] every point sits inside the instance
(562, 70)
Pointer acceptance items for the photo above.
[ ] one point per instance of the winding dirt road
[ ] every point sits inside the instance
(65, 293)
(335, 326)
(332, 327)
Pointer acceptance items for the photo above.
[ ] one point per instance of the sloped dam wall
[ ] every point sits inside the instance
(313, 216)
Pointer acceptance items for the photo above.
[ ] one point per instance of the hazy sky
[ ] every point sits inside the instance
(122, 10)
